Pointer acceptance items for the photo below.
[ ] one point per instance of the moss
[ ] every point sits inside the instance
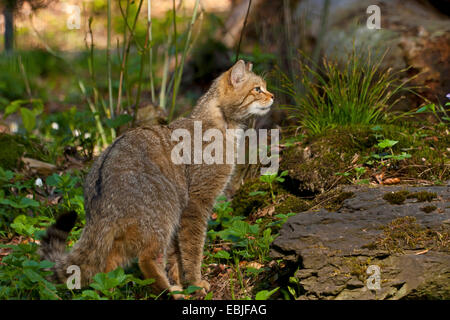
(396, 197)
(405, 233)
(335, 203)
(357, 266)
(333, 199)
(245, 201)
(14, 147)
(422, 196)
(314, 162)
(292, 204)
(428, 209)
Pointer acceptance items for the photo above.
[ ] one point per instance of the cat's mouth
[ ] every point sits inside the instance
(258, 109)
(267, 106)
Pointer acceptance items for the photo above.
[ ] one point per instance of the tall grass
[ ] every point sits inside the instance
(358, 92)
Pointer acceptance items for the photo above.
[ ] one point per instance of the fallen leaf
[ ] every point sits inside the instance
(379, 177)
(391, 181)
(255, 265)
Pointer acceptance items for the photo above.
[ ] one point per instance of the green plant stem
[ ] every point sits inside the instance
(25, 77)
(141, 69)
(98, 122)
(108, 62)
(150, 49)
(127, 45)
(162, 91)
(179, 71)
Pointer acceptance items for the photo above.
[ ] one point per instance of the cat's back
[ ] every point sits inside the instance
(135, 171)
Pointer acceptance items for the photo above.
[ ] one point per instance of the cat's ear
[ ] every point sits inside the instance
(249, 66)
(237, 74)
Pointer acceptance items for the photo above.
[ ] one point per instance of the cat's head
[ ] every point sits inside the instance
(244, 93)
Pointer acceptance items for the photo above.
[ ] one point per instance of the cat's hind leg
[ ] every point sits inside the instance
(174, 262)
(152, 264)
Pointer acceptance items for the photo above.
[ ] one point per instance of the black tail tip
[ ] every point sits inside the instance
(66, 221)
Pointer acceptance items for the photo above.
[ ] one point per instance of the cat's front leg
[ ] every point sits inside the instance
(191, 240)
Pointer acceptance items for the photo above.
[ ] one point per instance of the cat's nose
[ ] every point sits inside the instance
(271, 96)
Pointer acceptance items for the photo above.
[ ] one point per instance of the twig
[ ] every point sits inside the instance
(242, 31)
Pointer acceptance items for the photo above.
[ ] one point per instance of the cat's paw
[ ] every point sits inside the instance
(203, 284)
(176, 296)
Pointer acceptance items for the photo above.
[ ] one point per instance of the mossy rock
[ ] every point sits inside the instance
(253, 195)
(333, 200)
(14, 147)
(292, 204)
(406, 233)
(314, 163)
(422, 196)
(400, 196)
(396, 197)
(428, 209)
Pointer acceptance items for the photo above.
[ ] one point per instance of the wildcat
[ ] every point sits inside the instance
(140, 204)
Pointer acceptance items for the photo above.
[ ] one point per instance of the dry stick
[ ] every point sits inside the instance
(242, 31)
(125, 55)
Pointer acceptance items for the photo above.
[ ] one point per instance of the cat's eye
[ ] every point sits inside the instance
(258, 89)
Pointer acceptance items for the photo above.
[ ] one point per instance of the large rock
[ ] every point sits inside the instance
(415, 34)
(409, 242)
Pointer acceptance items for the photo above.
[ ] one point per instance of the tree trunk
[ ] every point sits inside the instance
(9, 29)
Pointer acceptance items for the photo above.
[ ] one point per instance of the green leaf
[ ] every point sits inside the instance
(192, 289)
(386, 143)
(257, 193)
(265, 294)
(26, 202)
(222, 254)
(292, 291)
(376, 128)
(28, 119)
(45, 264)
(209, 296)
(424, 108)
(53, 180)
(91, 294)
(33, 275)
(13, 107)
